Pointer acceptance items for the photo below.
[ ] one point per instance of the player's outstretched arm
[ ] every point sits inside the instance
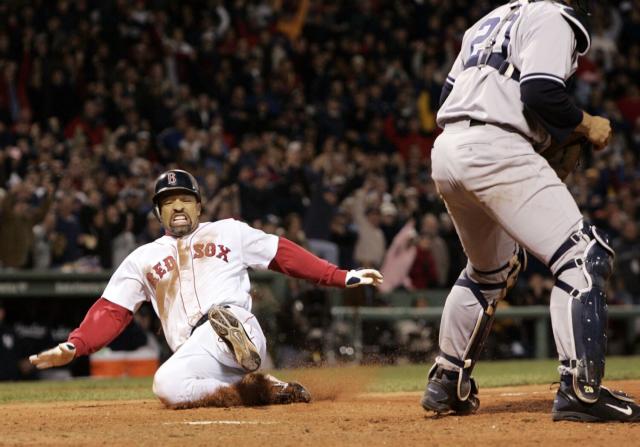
(103, 323)
(293, 260)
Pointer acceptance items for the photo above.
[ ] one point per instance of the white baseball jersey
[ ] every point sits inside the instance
(537, 38)
(184, 277)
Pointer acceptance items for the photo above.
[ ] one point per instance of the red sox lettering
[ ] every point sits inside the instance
(209, 249)
(200, 250)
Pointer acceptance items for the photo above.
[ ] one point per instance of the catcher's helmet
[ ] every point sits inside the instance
(174, 180)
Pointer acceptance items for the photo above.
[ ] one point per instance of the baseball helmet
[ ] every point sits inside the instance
(174, 180)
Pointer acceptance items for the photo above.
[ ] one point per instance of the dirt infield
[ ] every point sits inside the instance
(507, 417)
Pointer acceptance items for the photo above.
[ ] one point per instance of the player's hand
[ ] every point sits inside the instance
(597, 130)
(58, 356)
(361, 277)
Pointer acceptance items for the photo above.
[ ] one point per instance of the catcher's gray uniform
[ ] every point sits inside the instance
(502, 195)
(497, 188)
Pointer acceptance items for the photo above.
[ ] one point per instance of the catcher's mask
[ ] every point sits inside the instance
(172, 181)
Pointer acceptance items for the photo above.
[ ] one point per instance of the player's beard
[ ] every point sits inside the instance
(182, 229)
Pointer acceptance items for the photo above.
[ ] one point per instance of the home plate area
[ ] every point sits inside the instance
(508, 416)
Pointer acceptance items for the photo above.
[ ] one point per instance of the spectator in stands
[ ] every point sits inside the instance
(344, 236)
(18, 216)
(257, 195)
(399, 259)
(370, 247)
(430, 227)
(365, 207)
(323, 206)
(152, 230)
(627, 260)
(67, 228)
(89, 124)
(43, 236)
(389, 221)
(424, 270)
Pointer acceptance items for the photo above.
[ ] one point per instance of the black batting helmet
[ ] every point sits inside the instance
(174, 180)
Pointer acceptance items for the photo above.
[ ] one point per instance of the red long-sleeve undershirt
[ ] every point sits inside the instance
(102, 324)
(293, 260)
(106, 320)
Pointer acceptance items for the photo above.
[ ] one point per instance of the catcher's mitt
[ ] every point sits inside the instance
(563, 158)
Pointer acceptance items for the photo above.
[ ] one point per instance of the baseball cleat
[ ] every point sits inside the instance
(231, 331)
(288, 392)
(441, 394)
(611, 406)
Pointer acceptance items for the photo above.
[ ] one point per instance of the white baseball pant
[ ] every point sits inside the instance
(204, 363)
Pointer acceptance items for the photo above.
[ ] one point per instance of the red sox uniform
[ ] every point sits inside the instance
(183, 278)
(197, 274)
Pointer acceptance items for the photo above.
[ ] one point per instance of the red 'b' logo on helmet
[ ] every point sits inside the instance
(171, 178)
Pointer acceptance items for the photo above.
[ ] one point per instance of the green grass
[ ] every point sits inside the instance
(384, 379)
(498, 373)
(78, 389)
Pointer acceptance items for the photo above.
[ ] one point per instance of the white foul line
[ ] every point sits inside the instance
(221, 423)
(524, 394)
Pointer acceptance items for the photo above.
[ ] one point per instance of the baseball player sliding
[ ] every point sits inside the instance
(196, 278)
(503, 102)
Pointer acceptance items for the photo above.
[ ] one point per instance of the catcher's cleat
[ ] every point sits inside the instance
(441, 394)
(287, 392)
(231, 331)
(610, 406)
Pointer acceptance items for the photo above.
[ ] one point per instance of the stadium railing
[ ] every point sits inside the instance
(540, 314)
(399, 305)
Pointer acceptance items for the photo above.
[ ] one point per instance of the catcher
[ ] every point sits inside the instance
(504, 96)
(196, 278)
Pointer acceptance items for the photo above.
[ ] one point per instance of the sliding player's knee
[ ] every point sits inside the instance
(167, 385)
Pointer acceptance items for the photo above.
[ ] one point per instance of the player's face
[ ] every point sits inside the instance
(180, 213)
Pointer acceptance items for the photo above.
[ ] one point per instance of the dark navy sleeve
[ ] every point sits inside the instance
(549, 102)
(444, 93)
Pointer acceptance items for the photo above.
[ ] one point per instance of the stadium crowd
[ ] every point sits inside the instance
(311, 119)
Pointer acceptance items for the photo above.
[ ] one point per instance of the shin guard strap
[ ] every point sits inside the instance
(572, 240)
(476, 289)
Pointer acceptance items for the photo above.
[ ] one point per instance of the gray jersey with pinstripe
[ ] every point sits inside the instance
(537, 38)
